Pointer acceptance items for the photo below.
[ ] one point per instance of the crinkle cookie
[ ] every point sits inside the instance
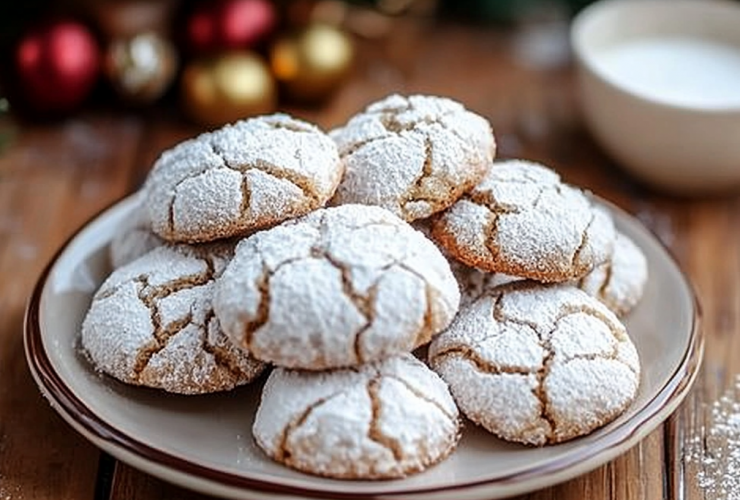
(620, 281)
(134, 239)
(382, 420)
(412, 155)
(250, 175)
(521, 220)
(341, 286)
(538, 364)
(151, 323)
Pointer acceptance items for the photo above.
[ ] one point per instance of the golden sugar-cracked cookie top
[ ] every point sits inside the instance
(339, 287)
(412, 155)
(538, 364)
(381, 420)
(249, 175)
(151, 323)
(522, 220)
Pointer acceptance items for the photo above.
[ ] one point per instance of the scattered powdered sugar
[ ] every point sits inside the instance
(716, 449)
(412, 155)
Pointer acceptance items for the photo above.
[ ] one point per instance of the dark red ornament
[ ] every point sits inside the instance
(57, 65)
(229, 24)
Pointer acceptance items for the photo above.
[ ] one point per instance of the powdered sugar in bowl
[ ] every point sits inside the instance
(660, 89)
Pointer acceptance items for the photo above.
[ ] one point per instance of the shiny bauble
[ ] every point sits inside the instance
(228, 24)
(311, 64)
(223, 89)
(57, 65)
(141, 68)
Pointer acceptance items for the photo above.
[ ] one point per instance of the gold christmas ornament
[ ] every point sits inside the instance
(223, 89)
(141, 68)
(310, 64)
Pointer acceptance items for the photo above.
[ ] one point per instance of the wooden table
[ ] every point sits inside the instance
(54, 177)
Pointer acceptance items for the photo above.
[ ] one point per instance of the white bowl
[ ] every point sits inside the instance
(687, 144)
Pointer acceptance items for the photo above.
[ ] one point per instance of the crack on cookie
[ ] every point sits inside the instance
(246, 196)
(575, 261)
(162, 336)
(301, 182)
(542, 373)
(618, 336)
(419, 394)
(106, 293)
(374, 432)
(171, 214)
(538, 199)
(418, 192)
(483, 366)
(491, 230)
(283, 453)
(486, 199)
(290, 126)
(150, 297)
(364, 304)
(609, 273)
(262, 314)
(611, 356)
(356, 146)
(426, 332)
(501, 317)
(370, 318)
(224, 358)
(388, 117)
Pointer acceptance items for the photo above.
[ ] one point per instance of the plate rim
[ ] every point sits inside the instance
(84, 420)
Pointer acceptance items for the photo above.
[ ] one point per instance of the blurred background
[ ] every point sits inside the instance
(211, 62)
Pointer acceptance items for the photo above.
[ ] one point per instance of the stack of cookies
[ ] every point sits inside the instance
(333, 257)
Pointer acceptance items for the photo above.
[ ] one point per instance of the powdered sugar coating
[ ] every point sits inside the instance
(382, 420)
(339, 287)
(412, 155)
(249, 175)
(538, 364)
(151, 323)
(620, 281)
(521, 220)
(134, 239)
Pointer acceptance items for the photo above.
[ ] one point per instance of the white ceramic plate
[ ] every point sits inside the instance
(204, 442)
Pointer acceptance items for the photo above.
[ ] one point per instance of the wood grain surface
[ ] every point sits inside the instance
(54, 177)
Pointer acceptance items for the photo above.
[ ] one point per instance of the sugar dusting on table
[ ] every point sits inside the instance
(716, 450)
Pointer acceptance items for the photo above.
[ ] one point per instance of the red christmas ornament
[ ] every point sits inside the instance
(229, 24)
(57, 65)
